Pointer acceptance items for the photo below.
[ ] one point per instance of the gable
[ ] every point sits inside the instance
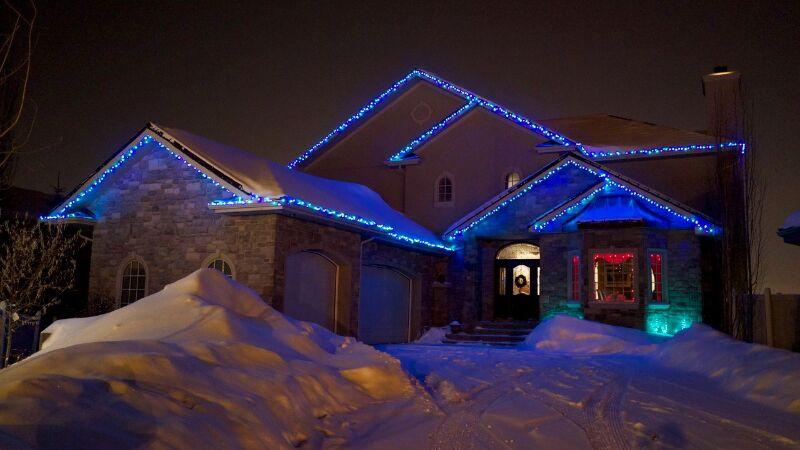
(563, 190)
(238, 181)
(382, 126)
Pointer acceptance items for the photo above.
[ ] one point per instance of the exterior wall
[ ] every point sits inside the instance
(682, 277)
(479, 151)
(155, 210)
(360, 156)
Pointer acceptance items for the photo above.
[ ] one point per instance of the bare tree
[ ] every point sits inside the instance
(16, 49)
(37, 266)
(740, 193)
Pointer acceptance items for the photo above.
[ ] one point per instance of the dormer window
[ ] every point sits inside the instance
(443, 191)
(512, 179)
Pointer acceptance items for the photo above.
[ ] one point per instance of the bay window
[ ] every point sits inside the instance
(614, 277)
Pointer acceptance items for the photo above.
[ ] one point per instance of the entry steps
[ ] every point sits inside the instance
(501, 333)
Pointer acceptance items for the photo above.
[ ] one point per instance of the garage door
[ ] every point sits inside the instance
(310, 288)
(383, 309)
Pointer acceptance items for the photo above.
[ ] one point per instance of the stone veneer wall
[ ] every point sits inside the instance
(682, 277)
(156, 210)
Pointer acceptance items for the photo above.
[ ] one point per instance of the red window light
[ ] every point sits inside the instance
(576, 277)
(614, 277)
(656, 285)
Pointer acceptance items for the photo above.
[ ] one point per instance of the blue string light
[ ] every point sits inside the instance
(120, 160)
(463, 93)
(474, 100)
(579, 202)
(700, 226)
(293, 201)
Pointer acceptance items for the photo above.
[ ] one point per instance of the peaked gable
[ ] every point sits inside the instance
(599, 178)
(255, 183)
(472, 100)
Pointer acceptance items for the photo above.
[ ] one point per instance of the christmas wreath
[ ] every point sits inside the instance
(520, 281)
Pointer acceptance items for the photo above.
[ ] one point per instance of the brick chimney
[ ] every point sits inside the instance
(724, 108)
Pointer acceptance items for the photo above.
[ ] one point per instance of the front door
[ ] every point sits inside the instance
(516, 289)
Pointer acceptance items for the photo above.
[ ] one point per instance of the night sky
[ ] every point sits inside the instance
(274, 78)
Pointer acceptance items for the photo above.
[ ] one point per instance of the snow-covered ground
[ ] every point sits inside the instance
(206, 364)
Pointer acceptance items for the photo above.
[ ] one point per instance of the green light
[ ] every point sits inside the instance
(664, 322)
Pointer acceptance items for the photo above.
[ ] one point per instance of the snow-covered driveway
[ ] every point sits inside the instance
(507, 398)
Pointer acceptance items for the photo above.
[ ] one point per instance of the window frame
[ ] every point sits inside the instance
(508, 174)
(222, 257)
(571, 282)
(664, 282)
(635, 281)
(122, 269)
(447, 203)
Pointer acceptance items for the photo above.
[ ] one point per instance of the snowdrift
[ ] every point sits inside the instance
(759, 373)
(762, 374)
(203, 363)
(565, 334)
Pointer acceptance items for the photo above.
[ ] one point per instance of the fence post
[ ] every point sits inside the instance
(768, 315)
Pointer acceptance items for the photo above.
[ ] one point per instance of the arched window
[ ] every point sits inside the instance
(444, 190)
(221, 265)
(512, 179)
(133, 283)
(519, 251)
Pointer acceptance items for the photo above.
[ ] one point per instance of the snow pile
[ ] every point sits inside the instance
(434, 335)
(569, 335)
(792, 221)
(205, 362)
(762, 374)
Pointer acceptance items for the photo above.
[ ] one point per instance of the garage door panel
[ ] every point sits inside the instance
(384, 305)
(310, 288)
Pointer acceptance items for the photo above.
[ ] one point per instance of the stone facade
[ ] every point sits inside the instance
(156, 211)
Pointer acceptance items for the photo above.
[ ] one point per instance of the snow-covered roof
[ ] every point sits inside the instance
(790, 230)
(256, 181)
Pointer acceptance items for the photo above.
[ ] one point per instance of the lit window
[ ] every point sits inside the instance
(657, 277)
(614, 277)
(575, 278)
(444, 190)
(512, 179)
(134, 283)
(222, 266)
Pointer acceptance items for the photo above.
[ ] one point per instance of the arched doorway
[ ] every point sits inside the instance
(517, 282)
(310, 288)
(384, 307)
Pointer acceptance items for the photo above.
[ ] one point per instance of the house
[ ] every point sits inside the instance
(429, 204)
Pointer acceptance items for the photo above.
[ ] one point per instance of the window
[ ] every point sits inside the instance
(221, 265)
(512, 179)
(574, 270)
(657, 260)
(444, 190)
(519, 251)
(614, 277)
(134, 283)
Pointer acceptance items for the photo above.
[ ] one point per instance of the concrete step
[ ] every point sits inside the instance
(494, 344)
(469, 337)
(507, 331)
(509, 325)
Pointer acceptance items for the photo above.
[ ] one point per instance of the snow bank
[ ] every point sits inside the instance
(205, 362)
(793, 220)
(434, 335)
(762, 374)
(569, 335)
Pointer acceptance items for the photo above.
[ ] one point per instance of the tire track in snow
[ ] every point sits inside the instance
(604, 426)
